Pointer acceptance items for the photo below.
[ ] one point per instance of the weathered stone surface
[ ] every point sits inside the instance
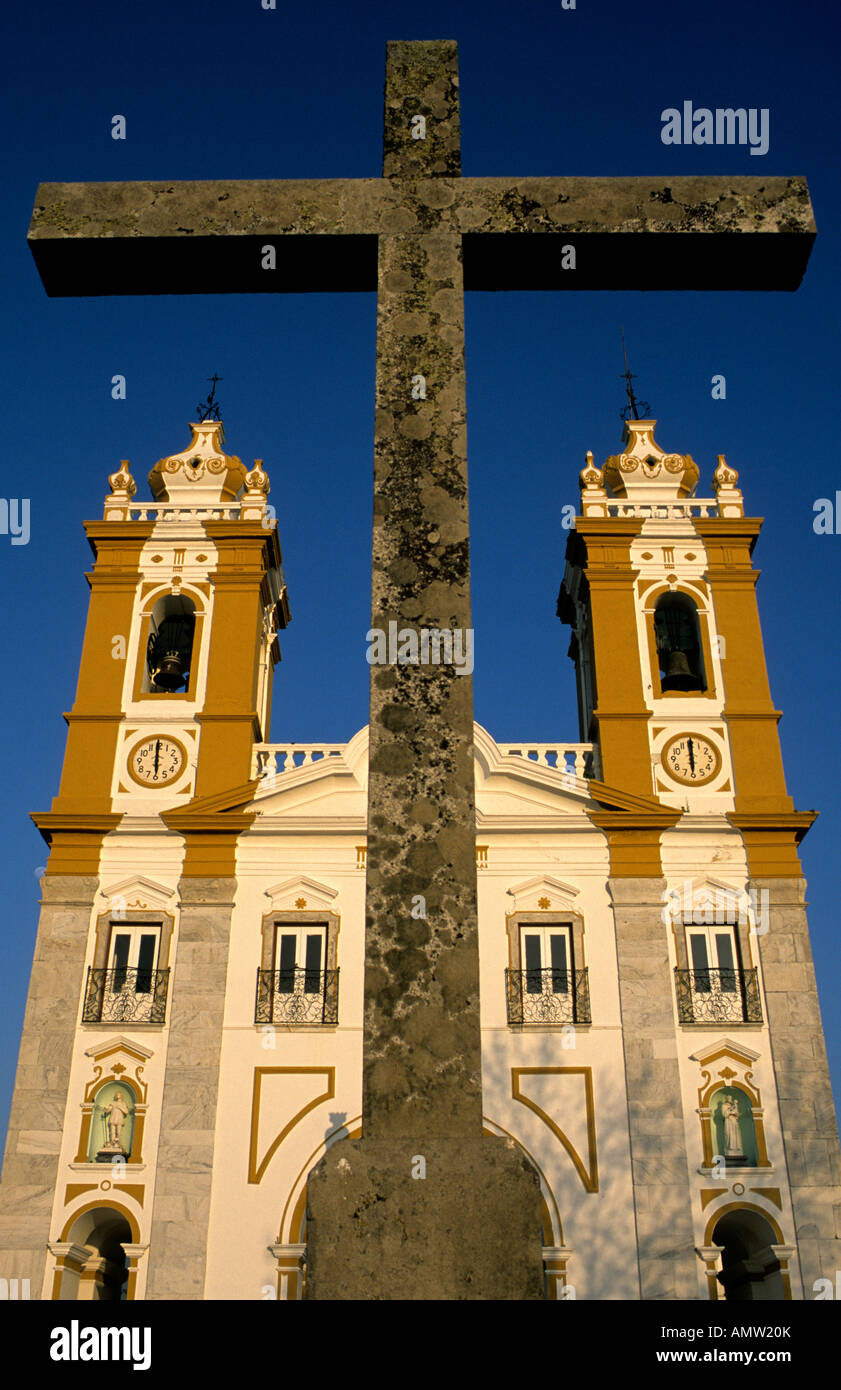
(422, 1064)
(178, 1244)
(207, 236)
(36, 1120)
(469, 1229)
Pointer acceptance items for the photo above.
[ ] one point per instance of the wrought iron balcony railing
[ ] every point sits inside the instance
(125, 995)
(553, 995)
(718, 996)
(297, 996)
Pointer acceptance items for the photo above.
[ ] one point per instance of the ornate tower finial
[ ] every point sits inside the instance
(634, 406)
(209, 410)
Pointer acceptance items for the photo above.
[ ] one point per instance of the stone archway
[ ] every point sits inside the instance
(750, 1264)
(96, 1266)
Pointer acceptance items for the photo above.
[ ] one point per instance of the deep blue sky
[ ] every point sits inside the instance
(216, 90)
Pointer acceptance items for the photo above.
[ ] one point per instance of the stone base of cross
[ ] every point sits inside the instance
(424, 1219)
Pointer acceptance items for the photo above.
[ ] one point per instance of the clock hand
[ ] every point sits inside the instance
(690, 746)
(157, 754)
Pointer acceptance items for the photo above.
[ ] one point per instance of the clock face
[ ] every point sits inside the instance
(155, 762)
(691, 759)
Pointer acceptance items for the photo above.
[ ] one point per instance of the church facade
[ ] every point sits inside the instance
(651, 1035)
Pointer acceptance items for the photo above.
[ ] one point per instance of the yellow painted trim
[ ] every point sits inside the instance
(589, 1176)
(255, 1170)
(543, 1178)
(771, 1194)
(771, 839)
(111, 1206)
(292, 1238)
(75, 841)
(75, 1189)
(716, 1216)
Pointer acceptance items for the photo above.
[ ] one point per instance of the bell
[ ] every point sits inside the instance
(677, 674)
(170, 674)
(170, 651)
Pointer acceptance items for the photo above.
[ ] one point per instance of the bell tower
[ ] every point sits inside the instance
(660, 594)
(187, 598)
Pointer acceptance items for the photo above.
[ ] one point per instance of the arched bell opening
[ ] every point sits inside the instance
(679, 650)
(750, 1268)
(169, 650)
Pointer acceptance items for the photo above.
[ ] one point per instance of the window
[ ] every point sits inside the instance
(131, 958)
(299, 958)
(547, 988)
(130, 987)
(716, 989)
(713, 955)
(300, 987)
(546, 956)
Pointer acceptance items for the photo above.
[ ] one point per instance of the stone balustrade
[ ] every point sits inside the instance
(665, 511)
(270, 760)
(570, 759)
(273, 759)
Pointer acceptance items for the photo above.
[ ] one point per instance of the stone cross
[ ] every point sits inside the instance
(421, 235)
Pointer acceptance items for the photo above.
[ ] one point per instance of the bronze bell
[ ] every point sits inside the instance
(170, 675)
(677, 674)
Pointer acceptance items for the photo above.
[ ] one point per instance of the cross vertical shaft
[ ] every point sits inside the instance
(471, 1227)
(422, 1068)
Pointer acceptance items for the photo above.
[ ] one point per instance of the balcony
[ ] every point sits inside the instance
(297, 997)
(718, 996)
(125, 995)
(549, 997)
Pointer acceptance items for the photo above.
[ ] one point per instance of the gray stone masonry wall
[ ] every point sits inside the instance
(36, 1122)
(807, 1113)
(181, 1213)
(665, 1239)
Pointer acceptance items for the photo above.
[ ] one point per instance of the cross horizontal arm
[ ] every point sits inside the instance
(628, 233)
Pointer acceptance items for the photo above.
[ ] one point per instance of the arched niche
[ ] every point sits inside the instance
(733, 1127)
(109, 1102)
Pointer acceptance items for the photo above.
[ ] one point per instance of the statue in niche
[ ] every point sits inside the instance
(732, 1130)
(115, 1116)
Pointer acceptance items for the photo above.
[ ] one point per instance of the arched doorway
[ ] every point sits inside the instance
(103, 1275)
(750, 1269)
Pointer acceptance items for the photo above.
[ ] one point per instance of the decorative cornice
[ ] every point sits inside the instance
(612, 798)
(185, 822)
(797, 823)
(52, 822)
